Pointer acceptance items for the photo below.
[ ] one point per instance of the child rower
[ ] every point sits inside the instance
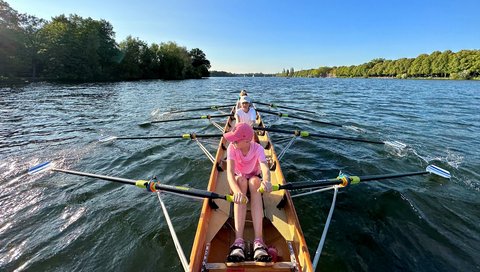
(246, 165)
(239, 105)
(246, 113)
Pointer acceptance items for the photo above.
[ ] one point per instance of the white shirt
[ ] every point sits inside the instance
(247, 117)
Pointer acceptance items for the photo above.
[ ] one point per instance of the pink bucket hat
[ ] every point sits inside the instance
(241, 131)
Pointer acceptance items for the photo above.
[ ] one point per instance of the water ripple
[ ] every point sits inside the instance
(414, 224)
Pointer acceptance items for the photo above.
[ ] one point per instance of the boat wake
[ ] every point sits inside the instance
(451, 158)
(397, 150)
(157, 114)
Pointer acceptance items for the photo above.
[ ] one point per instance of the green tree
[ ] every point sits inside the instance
(174, 61)
(78, 49)
(132, 64)
(440, 64)
(200, 64)
(420, 66)
(10, 41)
(32, 42)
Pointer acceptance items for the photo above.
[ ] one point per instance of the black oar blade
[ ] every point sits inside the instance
(145, 125)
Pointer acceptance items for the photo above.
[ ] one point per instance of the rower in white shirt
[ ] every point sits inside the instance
(246, 113)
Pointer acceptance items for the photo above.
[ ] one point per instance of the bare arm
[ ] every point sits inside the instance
(266, 183)
(237, 118)
(231, 177)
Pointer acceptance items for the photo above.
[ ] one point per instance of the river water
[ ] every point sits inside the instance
(59, 222)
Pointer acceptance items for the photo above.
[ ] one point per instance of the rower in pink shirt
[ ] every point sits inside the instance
(246, 166)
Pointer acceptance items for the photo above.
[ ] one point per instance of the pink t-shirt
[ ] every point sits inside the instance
(249, 165)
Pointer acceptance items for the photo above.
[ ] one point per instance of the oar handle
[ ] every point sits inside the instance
(275, 187)
(230, 198)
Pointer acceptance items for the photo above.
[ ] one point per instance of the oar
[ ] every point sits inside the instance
(346, 180)
(151, 186)
(187, 136)
(204, 108)
(282, 107)
(281, 114)
(146, 124)
(329, 136)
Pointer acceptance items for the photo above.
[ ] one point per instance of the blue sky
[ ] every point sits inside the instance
(268, 36)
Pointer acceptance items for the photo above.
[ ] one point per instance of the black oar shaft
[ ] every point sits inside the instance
(184, 136)
(336, 181)
(298, 117)
(149, 137)
(281, 107)
(388, 176)
(168, 188)
(84, 174)
(192, 118)
(203, 108)
(319, 135)
(310, 184)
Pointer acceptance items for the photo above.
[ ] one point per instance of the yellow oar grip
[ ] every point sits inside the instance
(354, 179)
(275, 187)
(229, 198)
(141, 183)
(304, 133)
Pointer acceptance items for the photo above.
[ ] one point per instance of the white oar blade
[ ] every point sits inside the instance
(438, 171)
(396, 144)
(40, 168)
(106, 139)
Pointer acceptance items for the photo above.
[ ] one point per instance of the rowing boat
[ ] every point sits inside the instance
(281, 228)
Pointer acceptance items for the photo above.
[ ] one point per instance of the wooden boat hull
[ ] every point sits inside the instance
(215, 231)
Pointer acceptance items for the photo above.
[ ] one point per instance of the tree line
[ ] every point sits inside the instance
(464, 64)
(229, 74)
(80, 49)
